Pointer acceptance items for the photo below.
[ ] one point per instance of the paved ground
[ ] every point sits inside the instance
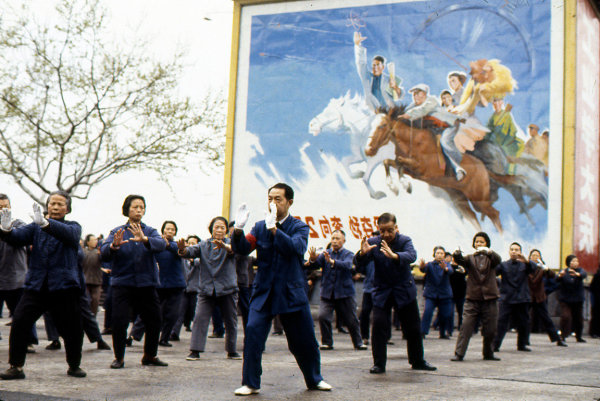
(549, 372)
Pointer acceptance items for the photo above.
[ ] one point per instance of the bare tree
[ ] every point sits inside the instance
(77, 108)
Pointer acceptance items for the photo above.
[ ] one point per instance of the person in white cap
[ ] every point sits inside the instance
(425, 105)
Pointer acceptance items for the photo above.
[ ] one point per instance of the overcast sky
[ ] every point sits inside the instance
(203, 29)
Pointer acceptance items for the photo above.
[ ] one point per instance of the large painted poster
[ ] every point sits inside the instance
(446, 113)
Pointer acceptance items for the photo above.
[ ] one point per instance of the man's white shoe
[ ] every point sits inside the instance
(245, 390)
(323, 386)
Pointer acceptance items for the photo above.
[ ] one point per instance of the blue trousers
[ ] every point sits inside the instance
(444, 314)
(302, 343)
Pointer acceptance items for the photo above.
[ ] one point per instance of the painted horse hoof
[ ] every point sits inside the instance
(378, 195)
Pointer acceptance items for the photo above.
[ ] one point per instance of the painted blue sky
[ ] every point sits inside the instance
(300, 60)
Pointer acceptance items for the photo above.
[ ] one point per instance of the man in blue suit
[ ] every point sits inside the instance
(279, 288)
(337, 290)
(392, 253)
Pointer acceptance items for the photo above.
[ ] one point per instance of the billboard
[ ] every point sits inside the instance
(447, 114)
(587, 137)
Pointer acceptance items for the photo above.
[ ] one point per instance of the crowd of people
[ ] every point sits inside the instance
(160, 284)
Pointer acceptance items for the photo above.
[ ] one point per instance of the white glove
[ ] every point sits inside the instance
(483, 249)
(241, 217)
(271, 217)
(5, 220)
(38, 217)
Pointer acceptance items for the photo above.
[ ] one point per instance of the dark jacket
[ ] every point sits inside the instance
(217, 268)
(280, 276)
(458, 282)
(570, 287)
(437, 281)
(170, 267)
(514, 287)
(53, 256)
(133, 264)
(392, 278)
(336, 282)
(481, 279)
(91, 264)
(536, 284)
(368, 271)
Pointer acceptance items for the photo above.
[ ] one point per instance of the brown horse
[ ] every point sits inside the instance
(419, 154)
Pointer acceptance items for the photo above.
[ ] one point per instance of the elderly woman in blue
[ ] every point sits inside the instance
(53, 281)
(131, 249)
(437, 292)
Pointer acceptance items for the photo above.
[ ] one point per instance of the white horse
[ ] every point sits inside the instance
(351, 115)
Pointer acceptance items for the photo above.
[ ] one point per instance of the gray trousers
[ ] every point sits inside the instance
(204, 310)
(487, 312)
(347, 310)
(449, 147)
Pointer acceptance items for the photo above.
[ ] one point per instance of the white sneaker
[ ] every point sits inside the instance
(245, 390)
(323, 386)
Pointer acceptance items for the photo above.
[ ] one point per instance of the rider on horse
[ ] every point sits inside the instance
(425, 106)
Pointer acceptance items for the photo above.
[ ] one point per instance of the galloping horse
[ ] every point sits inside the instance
(418, 152)
(350, 115)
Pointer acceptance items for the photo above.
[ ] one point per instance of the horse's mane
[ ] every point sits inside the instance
(393, 112)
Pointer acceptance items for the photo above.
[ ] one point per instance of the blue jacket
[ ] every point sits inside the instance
(570, 289)
(514, 287)
(280, 276)
(392, 278)
(133, 264)
(53, 256)
(437, 281)
(368, 271)
(336, 282)
(170, 266)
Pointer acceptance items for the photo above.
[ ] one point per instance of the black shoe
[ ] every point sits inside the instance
(496, 349)
(277, 333)
(102, 345)
(376, 370)
(390, 342)
(342, 330)
(12, 373)
(524, 349)
(76, 372)
(490, 358)
(581, 340)
(188, 329)
(174, 337)
(213, 335)
(153, 362)
(193, 356)
(30, 349)
(361, 347)
(457, 358)
(54, 345)
(325, 347)
(561, 343)
(129, 341)
(117, 364)
(234, 355)
(444, 337)
(106, 331)
(165, 344)
(423, 366)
